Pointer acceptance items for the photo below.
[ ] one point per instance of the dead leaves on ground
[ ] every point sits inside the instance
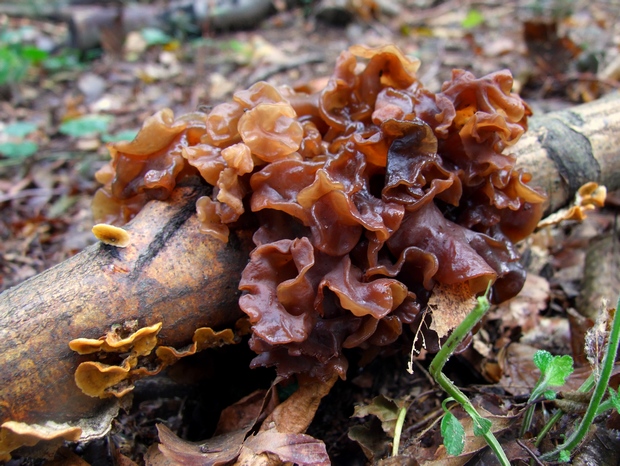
(257, 430)
(375, 434)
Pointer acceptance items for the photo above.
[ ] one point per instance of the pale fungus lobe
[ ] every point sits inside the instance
(111, 375)
(109, 234)
(370, 199)
(17, 434)
(126, 354)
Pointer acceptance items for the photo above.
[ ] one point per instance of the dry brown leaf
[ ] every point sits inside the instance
(216, 451)
(154, 457)
(386, 409)
(520, 374)
(450, 305)
(597, 337)
(295, 414)
(523, 310)
(66, 457)
(473, 443)
(300, 449)
(232, 430)
(246, 410)
(371, 438)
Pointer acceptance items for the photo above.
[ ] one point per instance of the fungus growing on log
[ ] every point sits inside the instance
(368, 198)
(109, 234)
(113, 376)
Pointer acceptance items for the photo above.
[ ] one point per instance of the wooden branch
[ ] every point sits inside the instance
(171, 273)
(563, 150)
(89, 20)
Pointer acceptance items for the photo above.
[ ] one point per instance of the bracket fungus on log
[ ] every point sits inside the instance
(110, 377)
(368, 198)
(109, 234)
(159, 277)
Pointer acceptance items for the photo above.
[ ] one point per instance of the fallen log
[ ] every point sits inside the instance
(566, 149)
(89, 22)
(171, 273)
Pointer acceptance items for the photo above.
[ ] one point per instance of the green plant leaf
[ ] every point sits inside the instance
(564, 456)
(473, 19)
(453, 434)
(542, 359)
(614, 398)
(20, 129)
(87, 125)
(154, 36)
(554, 369)
(18, 150)
(67, 59)
(33, 54)
(13, 67)
(481, 426)
(549, 395)
(125, 135)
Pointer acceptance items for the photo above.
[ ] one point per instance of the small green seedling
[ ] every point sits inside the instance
(473, 19)
(554, 371)
(452, 431)
(16, 146)
(563, 452)
(85, 126)
(613, 400)
(482, 426)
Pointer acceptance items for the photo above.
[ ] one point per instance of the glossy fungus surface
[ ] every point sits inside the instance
(368, 197)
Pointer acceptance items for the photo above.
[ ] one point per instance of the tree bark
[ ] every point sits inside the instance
(564, 150)
(172, 273)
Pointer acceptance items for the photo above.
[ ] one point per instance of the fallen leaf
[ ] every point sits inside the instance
(523, 310)
(450, 305)
(434, 456)
(216, 451)
(295, 414)
(300, 449)
(386, 409)
(154, 457)
(227, 444)
(371, 438)
(242, 412)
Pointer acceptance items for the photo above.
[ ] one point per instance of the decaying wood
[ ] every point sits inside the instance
(90, 21)
(172, 273)
(564, 150)
(601, 276)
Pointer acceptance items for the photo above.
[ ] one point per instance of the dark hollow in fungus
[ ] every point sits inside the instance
(368, 195)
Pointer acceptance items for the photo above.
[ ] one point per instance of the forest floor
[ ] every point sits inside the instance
(68, 105)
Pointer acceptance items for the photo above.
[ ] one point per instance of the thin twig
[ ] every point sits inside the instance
(293, 62)
(34, 192)
(530, 452)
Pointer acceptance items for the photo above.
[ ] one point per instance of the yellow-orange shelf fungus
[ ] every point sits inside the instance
(17, 434)
(109, 234)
